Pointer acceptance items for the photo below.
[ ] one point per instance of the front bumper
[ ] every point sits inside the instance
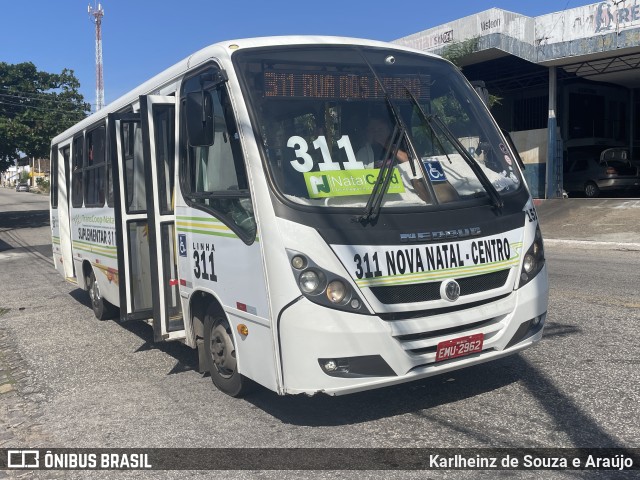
(309, 333)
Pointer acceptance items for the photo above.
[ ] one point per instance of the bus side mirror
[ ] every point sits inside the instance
(200, 119)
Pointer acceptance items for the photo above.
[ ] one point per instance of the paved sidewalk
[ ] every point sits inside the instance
(20, 397)
(7, 379)
(591, 223)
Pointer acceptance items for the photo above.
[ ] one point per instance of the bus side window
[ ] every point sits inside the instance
(215, 168)
(78, 172)
(95, 168)
(219, 170)
(134, 168)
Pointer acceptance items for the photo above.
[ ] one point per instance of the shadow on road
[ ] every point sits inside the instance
(579, 426)
(408, 398)
(186, 357)
(414, 398)
(81, 297)
(44, 249)
(24, 219)
(560, 330)
(418, 398)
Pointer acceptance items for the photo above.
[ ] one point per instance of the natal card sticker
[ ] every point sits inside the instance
(384, 265)
(342, 183)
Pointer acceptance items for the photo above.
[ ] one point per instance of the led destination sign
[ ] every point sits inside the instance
(342, 86)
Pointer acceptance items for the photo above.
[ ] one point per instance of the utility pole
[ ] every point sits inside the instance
(96, 15)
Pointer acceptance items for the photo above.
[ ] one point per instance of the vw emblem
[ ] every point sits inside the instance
(450, 290)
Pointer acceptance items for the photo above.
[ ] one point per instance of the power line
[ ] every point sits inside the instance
(45, 100)
(37, 107)
(33, 107)
(35, 94)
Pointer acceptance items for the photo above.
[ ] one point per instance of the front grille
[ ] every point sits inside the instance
(482, 283)
(425, 292)
(437, 311)
(418, 292)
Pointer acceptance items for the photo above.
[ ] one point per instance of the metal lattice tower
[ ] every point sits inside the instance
(96, 15)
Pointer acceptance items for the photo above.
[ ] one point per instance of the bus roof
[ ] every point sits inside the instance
(220, 50)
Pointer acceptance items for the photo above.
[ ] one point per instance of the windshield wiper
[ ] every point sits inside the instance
(430, 120)
(372, 208)
(484, 180)
(374, 203)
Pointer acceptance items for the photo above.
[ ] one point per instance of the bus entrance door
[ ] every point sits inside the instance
(64, 213)
(144, 164)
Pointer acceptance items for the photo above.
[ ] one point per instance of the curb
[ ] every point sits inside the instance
(591, 245)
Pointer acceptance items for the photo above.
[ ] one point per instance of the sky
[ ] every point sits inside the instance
(142, 38)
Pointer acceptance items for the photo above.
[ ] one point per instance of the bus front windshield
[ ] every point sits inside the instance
(332, 118)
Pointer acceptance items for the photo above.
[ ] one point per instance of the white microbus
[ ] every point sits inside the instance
(313, 214)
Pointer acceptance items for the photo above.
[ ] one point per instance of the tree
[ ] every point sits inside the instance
(35, 106)
(458, 51)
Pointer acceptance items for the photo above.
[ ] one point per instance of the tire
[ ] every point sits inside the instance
(221, 356)
(591, 190)
(102, 309)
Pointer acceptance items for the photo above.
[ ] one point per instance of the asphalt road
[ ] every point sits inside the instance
(78, 382)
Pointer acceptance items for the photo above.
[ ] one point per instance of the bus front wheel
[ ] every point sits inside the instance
(221, 356)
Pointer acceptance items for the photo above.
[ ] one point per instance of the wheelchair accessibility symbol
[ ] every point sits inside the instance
(182, 244)
(434, 170)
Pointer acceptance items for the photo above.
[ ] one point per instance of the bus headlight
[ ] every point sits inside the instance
(310, 282)
(323, 287)
(529, 263)
(298, 262)
(336, 291)
(533, 260)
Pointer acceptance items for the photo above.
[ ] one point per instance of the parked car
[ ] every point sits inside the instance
(591, 170)
(22, 187)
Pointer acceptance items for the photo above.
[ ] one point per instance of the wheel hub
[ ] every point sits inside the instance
(223, 351)
(94, 292)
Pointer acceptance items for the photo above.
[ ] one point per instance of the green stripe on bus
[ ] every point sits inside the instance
(190, 224)
(94, 249)
(110, 253)
(97, 245)
(98, 253)
(199, 219)
(433, 276)
(208, 232)
(199, 225)
(213, 233)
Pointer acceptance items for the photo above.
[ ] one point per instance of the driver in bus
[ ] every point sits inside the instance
(372, 154)
(377, 135)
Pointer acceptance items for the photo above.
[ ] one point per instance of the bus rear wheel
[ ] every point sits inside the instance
(222, 361)
(102, 309)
